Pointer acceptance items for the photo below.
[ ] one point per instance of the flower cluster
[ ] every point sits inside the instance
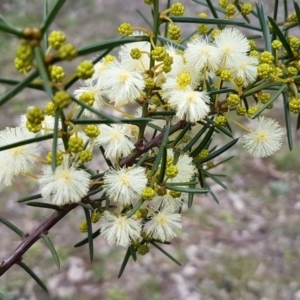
(151, 112)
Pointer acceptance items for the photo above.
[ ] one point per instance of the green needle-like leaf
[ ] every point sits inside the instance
(25, 142)
(52, 249)
(43, 205)
(287, 121)
(45, 16)
(163, 165)
(10, 29)
(161, 151)
(282, 38)
(95, 111)
(170, 42)
(33, 275)
(271, 100)
(218, 152)
(18, 88)
(135, 121)
(55, 141)
(111, 44)
(297, 11)
(186, 190)
(216, 180)
(263, 20)
(29, 198)
(125, 261)
(90, 233)
(86, 240)
(143, 17)
(203, 143)
(53, 13)
(165, 253)
(135, 208)
(14, 228)
(39, 57)
(221, 22)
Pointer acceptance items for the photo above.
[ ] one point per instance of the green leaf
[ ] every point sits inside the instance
(5, 27)
(165, 253)
(219, 129)
(297, 11)
(33, 197)
(163, 165)
(51, 248)
(45, 16)
(195, 139)
(271, 100)
(212, 9)
(181, 135)
(287, 117)
(186, 190)
(212, 21)
(11, 226)
(85, 206)
(107, 160)
(39, 57)
(111, 44)
(298, 122)
(51, 16)
(55, 141)
(135, 208)
(218, 152)
(275, 10)
(214, 197)
(95, 111)
(259, 87)
(263, 20)
(142, 159)
(161, 150)
(216, 180)
(33, 275)
(133, 252)
(124, 263)
(90, 233)
(281, 37)
(135, 121)
(10, 81)
(143, 17)
(18, 88)
(28, 141)
(44, 205)
(203, 143)
(84, 241)
(190, 199)
(170, 42)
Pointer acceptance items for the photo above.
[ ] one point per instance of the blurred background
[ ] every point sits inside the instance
(246, 247)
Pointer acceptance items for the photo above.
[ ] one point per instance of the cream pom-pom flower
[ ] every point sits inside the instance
(264, 139)
(119, 230)
(66, 184)
(17, 160)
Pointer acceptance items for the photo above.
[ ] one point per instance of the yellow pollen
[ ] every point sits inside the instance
(123, 77)
(161, 220)
(17, 151)
(261, 137)
(64, 174)
(124, 179)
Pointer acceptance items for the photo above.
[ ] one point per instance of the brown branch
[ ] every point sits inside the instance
(44, 228)
(30, 239)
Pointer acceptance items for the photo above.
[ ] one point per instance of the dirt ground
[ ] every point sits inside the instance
(246, 247)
